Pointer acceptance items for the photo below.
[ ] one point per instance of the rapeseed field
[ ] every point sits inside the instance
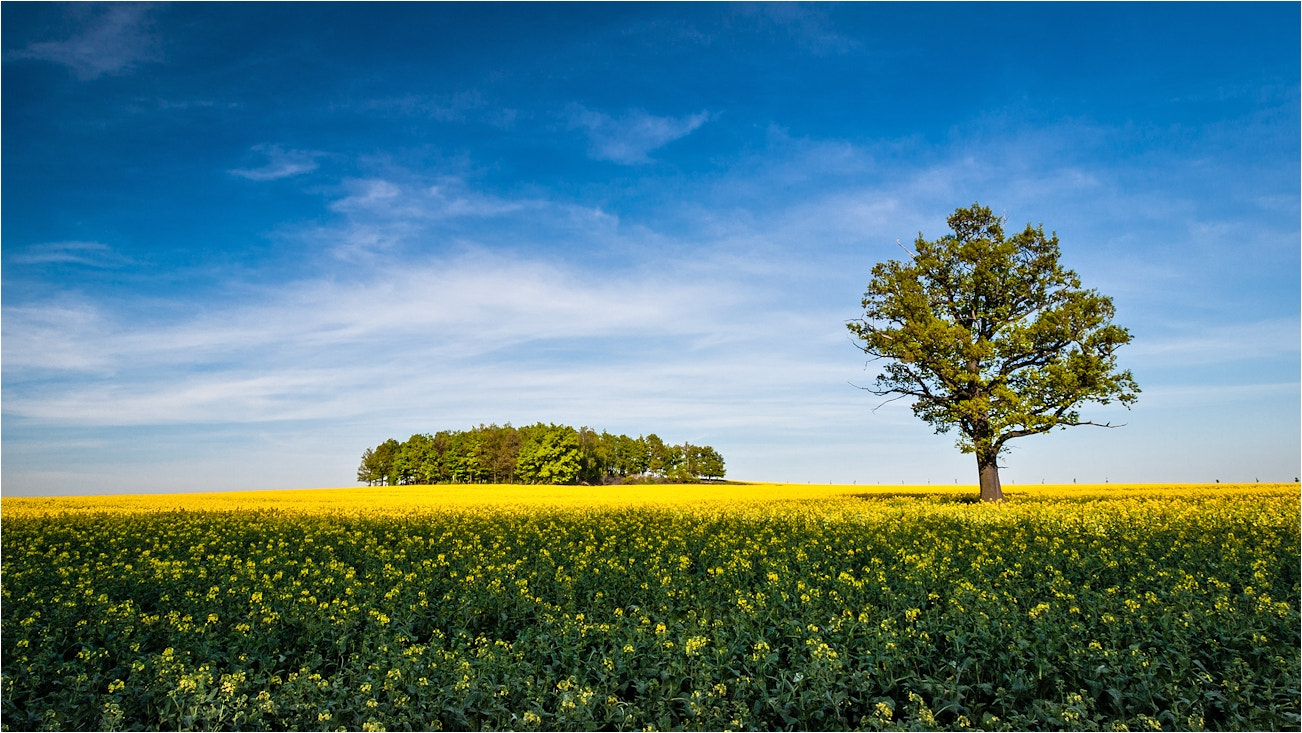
(710, 606)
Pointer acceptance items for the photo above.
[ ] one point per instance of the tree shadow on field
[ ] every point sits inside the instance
(929, 496)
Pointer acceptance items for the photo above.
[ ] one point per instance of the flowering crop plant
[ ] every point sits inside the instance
(712, 607)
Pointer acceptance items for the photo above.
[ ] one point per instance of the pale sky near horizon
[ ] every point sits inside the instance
(244, 242)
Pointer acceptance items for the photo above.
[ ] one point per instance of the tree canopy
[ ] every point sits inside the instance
(990, 334)
(535, 454)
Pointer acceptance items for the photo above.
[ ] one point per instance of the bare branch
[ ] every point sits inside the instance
(1037, 431)
(893, 390)
(1095, 424)
(887, 402)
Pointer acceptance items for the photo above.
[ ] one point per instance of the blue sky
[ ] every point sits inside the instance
(244, 242)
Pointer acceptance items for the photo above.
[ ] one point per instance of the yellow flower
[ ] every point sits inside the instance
(694, 645)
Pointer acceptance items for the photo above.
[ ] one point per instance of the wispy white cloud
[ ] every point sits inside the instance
(114, 39)
(468, 334)
(1219, 344)
(630, 138)
(463, 106)
(90, 254)
(809, 25)
(433, 339)
(382, 214)
(446, 198)
(480, 302)
(280, 164)
(41, 340)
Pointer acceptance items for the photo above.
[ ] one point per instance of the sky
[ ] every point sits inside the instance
(244, 242)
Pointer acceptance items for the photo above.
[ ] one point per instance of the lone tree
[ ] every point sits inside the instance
(992, 336)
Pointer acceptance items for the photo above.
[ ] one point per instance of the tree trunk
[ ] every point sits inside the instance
(988, 468)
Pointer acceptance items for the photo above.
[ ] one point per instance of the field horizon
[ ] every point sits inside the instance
(458, 494)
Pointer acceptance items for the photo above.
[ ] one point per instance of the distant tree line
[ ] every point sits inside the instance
(535, 454)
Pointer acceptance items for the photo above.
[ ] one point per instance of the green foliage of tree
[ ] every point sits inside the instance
(368, 472)
(549, 455)
(990, 334)
(629, 456)
(541, 453)
(378, 466)
(661, 459)
(417, 460)
(703, 461)
(594, 455)
(501, 445)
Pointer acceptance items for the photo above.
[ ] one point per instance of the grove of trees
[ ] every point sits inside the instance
(535, 454)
